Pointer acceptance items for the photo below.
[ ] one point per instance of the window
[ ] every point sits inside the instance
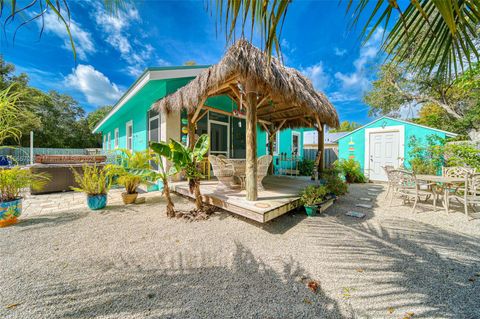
(276, 143)
(153, 126)
(295, 143)
(104, 142)
(116, 137)
(109, 140)
(129, 134)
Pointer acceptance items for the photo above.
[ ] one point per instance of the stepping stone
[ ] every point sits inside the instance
(140, 200)
(363, 205)
(366, 199)
(352, 213)
(373, 194)
(375, 190)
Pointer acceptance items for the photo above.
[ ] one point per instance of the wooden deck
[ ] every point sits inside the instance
(280, 196)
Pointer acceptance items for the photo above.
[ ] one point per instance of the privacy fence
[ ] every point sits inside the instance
(329, 156)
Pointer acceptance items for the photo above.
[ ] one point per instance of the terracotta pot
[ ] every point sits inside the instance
(129, 198)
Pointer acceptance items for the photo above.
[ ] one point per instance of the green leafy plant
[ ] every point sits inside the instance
(164, 151)
(462, 154)
(13, 180)
(351, 170)
(187, 159)
(9, 110)
(306, 166)
(92, 181)
(334, 183)
(133, 169)
(427, 157)
(312, 195)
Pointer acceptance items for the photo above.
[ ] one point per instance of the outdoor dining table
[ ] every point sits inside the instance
(443, 185)
(239, 169)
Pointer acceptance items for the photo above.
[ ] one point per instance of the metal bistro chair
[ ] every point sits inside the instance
(390, 177)
(408, 187)
(470, 196)
(457, 172)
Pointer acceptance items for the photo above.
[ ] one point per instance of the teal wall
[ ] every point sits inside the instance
(358, 139)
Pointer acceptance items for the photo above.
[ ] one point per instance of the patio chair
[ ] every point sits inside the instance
(222, 170)
(390, 182)
(263, 162)
(407, 186)
(470, 196)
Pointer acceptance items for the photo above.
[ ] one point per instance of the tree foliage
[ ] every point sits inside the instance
(345, 126)
(57, 120)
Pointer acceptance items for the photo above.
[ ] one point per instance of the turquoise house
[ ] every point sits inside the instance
(132, 123)
(384, 141)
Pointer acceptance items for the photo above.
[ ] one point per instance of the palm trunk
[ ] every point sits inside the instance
(170, 206)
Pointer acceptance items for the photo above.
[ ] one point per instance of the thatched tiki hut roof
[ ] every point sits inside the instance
(270, 93)
(285, 94)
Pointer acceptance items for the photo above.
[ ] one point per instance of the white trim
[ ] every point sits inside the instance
(143, 80)
(277, 137)
(116, 137)
(227, 124)
(104, 142)
(299, 142)
(129, 123)
(450, 134)
(401, 144)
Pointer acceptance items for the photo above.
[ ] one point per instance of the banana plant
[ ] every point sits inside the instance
(186, 159)
(164, 151)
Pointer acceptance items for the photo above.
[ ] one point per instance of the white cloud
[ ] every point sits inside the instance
(359, 80)
(82, 39)
(94, 85)
(316, 73)
(340, 52)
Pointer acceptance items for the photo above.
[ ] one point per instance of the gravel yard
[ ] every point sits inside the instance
(133, 262)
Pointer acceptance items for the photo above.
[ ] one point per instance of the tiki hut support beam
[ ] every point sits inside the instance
(320, 150)
(271, 139)
(251, 160)
(191, 130)
(197, 111)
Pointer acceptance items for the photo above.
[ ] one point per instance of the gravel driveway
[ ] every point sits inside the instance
(133, 262)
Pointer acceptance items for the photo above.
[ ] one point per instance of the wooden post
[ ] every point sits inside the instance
(321, 149)
(251, 139)
(191, 130)
(271, 140)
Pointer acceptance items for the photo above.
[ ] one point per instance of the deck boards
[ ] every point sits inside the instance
(280, 196)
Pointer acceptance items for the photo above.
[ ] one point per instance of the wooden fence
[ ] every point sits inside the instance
(329, 156)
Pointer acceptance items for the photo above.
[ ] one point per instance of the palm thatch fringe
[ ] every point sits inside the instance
(290, 95)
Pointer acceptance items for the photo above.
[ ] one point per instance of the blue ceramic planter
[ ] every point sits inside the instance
(10, 211)
(96, 202)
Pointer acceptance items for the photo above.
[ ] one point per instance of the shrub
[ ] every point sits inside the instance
(334, 183)
(313, 194)
(13, 180)
(306, 166)
(93, 181)
(427, 158)
(462, 154)
(351, 170)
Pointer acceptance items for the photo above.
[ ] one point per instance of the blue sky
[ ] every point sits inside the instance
(113, 50)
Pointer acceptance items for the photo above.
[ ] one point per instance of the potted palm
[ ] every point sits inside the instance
(12, 181)
(94, 183)
(312, 196)
(131, 171)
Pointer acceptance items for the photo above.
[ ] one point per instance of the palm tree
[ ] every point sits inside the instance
(450, 45)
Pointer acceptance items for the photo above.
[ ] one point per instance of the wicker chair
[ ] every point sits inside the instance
(470, 196)
(263, 162)
(408, 187)
(222, 170)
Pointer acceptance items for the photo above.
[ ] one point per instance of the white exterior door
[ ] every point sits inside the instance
(384, 150)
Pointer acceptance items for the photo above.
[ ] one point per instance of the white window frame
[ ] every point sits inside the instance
(156, 117)
(104, 142)
(227, 124)
(295, 133)
(109, 141)
(116, 137)
(277, 143)
(127, 138)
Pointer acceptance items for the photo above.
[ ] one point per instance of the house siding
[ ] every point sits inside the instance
(358, 139)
